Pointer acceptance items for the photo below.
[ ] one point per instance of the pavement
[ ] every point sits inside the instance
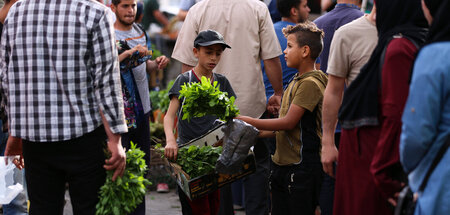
(156, 204)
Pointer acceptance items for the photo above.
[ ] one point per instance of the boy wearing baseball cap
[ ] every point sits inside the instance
(208, 47)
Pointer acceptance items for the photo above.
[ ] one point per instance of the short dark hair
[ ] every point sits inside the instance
(284, 6)
(308, 34)
(115, 2)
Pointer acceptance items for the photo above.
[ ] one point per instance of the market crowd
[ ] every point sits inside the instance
(352, 108)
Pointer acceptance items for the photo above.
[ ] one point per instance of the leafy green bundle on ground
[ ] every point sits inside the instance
(204, 98)
(195, 160)
(123, 195)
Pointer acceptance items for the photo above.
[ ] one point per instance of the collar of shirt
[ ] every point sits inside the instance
(347, 5)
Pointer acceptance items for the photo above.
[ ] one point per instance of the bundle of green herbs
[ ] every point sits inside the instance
(195, 160)
(123, 195)
(203, 98)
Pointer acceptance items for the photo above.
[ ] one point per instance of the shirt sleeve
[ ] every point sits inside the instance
(395, 86)
(185, 41)
(338, 60)
(107, 75)
(176, 87)
(308, 95)
(270, 47)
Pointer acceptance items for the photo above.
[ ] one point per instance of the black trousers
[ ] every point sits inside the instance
(295, 189)
(50, 165)
(141, 137)
(256, 185)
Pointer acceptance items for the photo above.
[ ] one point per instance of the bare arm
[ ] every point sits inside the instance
(171, 149)
(139, 48)
(160, 17)
(159, 63)
(331, 103)
(287, 122)
(182, 15)
(266, 134)
(274, 74)
(185, 68)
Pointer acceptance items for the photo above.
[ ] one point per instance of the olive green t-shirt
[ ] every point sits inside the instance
(305, 91)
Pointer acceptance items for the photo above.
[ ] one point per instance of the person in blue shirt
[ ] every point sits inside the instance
(292, 12)
(426, 118)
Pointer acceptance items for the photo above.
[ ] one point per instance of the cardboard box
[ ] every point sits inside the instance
(199, 186)
(196, 187)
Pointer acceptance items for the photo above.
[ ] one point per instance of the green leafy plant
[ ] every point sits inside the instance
(204, 98)
(197, 161)
(160, 99)
(123, 195)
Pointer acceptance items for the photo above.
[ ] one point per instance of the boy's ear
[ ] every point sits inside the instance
(195, 50)
(306, 51)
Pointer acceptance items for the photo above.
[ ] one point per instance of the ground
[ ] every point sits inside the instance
(156, 204)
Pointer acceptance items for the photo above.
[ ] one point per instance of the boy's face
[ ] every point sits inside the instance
(293, 54)
(208, 56)
(125, 11)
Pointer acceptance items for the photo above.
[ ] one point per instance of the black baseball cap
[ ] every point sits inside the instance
(209, 37)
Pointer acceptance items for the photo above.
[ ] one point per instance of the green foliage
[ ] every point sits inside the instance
(197, 161)
(160, 99)
(123, 195)
(203, 99)
(156, 53)
(157, 131)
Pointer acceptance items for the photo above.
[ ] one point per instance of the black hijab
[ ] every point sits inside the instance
(394, 17)
(440, 27)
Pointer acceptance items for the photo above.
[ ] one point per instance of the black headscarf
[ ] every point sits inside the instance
(440, 28)
(394, 17)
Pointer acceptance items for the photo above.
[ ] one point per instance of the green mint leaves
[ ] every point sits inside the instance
(123, 195)
(204, 98)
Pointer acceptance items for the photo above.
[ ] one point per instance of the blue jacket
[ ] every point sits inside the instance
(426, 125)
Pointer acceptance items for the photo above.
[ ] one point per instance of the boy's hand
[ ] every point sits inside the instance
(171, 150)
(162, 61)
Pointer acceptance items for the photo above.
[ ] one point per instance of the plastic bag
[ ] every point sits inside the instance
(8, 190)
(238, 138)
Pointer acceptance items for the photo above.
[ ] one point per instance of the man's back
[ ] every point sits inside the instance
(330, 22)
(247, 27)
(57, 67)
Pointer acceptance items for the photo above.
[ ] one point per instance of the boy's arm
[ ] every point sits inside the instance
(159, 63)
(266, 134)
(126, 54)
(171, 149)
(288, 122)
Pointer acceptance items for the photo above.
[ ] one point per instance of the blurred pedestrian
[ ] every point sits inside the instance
(426, 118)
(369, 175)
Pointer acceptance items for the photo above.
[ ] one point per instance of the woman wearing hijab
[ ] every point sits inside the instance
(426, 119)
(369, 173)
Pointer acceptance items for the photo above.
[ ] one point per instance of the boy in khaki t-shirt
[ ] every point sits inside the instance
(297, 171)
